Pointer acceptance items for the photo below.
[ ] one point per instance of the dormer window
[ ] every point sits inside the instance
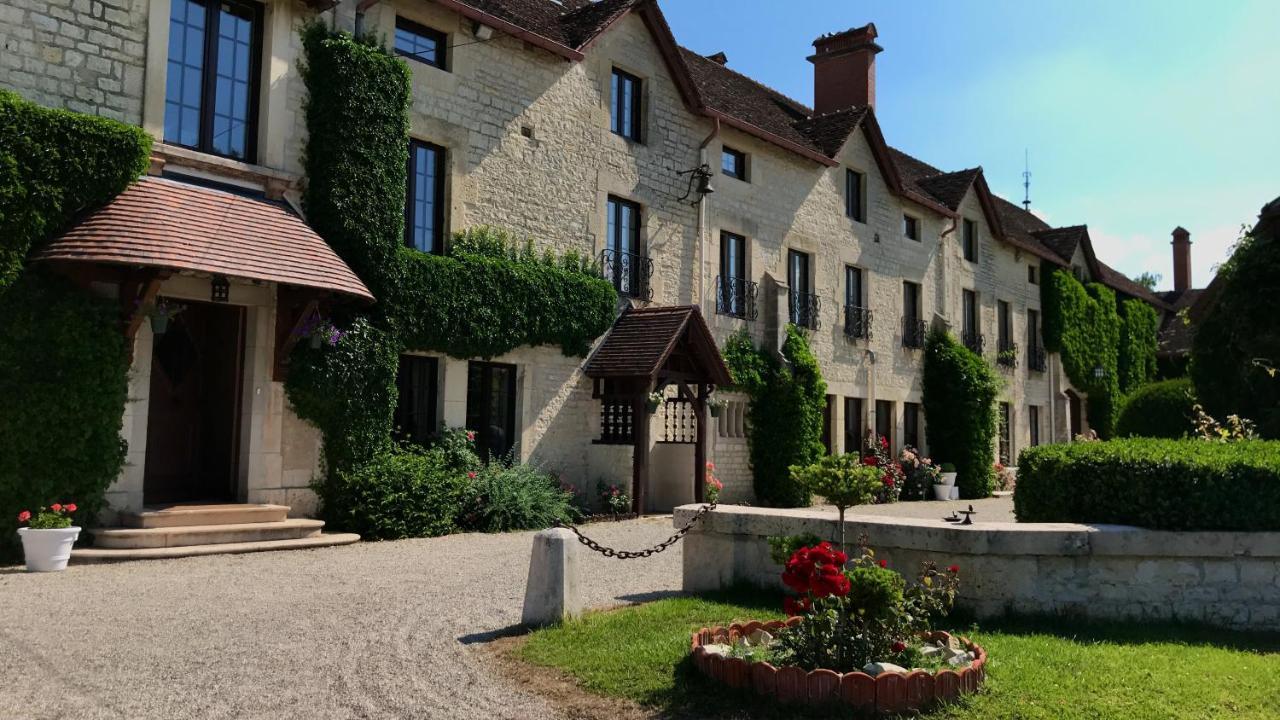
(421, 43)
(733, 163)
(625, 105)
(854, 198)
(911, 227)
(970, 240)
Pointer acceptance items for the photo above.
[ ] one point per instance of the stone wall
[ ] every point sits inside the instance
(82, 55)
(1229, 579)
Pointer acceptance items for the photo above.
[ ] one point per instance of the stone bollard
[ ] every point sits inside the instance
(551, 594)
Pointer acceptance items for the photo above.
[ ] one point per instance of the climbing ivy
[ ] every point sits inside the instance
(1082, 324)
(1136, 361)
(787, 398)
(960, 391)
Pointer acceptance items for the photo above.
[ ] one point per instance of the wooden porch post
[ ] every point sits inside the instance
(700, 445)
(640, 453)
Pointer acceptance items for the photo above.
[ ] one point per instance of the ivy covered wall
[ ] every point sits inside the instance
(1139, 331)
(63, 360)
(1082, 324)
(959, 398)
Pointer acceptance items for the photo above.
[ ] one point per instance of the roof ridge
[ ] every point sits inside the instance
(808, 111)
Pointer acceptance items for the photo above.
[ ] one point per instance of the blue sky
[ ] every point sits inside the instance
(1138, 115)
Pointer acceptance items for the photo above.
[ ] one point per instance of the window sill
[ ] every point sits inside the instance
(166, 156)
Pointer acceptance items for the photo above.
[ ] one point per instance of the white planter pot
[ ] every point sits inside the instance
(948, 479)
(48, 550)
(955, 493)
(942, 492)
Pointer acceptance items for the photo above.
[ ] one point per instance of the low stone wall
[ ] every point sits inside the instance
(1229, 579)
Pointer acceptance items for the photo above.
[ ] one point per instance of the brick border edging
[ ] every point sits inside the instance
(891, 692)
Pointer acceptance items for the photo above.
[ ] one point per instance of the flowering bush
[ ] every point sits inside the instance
(1005, 479)
(892, 477)
(712, 485)
(54, 517)
(858, 611)
(920, 474)
(613, 499)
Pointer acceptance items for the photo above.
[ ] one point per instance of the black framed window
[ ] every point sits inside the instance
(884, 421)
(828, 432)
(733, 163)
(853, 432)
(734, 292)
(853, 195)
(1033, 422)
(1004, 317)
(852, 286)
(1033, 275)
(624, 259)
(969, 313)
(1006, 419)
(625, 106)
(418, 384)
(1033, 330)
(211, 84)
(969, 237)
(421, 43)
(911, 227)
(911, 424)
(911, 310)
(491, 407)
(803, 309)
(424, 211)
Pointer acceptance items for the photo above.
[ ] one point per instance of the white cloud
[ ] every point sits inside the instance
(1136, 253)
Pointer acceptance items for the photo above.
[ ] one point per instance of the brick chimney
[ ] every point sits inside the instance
(844, 69)
(1181, 259)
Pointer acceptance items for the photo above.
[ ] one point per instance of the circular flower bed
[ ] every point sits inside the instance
(890, 691)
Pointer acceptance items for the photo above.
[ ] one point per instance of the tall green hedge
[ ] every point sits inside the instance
(1159, 409)
(1236, 349)
(1152, 483)
(1136, 360)
(63, 362)
(787, 400)
(54, 166)
(1083, 325)
(960, 391)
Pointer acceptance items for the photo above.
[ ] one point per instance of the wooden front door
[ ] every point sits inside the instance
(193, 415)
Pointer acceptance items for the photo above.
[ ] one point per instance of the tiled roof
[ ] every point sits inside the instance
(1062, 241)
(828, 133)
(1120, 282)
(738, 96)
(163, 223)
(642, 339)
(572, 23)
(949, 188)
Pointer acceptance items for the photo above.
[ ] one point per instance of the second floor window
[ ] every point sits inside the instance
(911, 227)
(735, 294)
(211, 85)
(854, 200)
(970, 322)
(969, 238)
(424, 212)
(913, 326)
(733, 163)
(803, 304)
(624, 108)
(420, 43)
(624, 261)
(1005, 331)
(857, 318)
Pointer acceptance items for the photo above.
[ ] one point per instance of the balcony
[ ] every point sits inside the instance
(1037, 359)
(1007, 355)
(975, 341)
(913, 332)
(629, 273)
(857, 322)
(736, 297)
(804, 309)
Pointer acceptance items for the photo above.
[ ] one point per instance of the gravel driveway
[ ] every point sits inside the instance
(372, 630)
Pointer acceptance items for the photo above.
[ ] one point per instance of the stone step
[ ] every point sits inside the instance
(187, 535)
(210, 514)
(83, 556)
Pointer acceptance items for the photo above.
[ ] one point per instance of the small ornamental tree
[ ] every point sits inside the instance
(787, 399)
(960, 391)
(842, 479)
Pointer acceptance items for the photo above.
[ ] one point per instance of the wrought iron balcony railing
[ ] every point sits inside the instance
(1037, 359)
(975, 341)
(857, 322)
(629, 273)
(736, 297)
(804, 309)
(913, 332)
(1007, 355)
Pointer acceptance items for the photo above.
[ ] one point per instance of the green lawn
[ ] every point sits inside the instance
(1039, 668)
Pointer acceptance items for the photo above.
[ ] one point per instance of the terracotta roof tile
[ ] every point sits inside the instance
(168, 224)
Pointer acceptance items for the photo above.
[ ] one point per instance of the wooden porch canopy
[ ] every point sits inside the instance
(160, 226)
(647, 350)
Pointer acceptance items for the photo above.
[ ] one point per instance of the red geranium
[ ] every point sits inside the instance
(24, 516)
(870, 460)
(55, 507)
(793, 606)
(69, 507)
(953, 569)
(899, 646)
(884, 563)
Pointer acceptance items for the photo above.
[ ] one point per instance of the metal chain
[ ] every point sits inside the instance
(647, 552)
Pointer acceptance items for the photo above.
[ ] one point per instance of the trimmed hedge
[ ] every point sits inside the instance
(56, 165)
(787, 400)
(1160, 410)
(398, 493)
(960, 391)
(1154, 483)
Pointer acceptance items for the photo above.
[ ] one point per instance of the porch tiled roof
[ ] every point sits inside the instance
(162, 223)
(642, 339)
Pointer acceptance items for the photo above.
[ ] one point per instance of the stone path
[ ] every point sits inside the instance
(373, 630)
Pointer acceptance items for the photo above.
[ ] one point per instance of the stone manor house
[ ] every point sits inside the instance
(580, 125)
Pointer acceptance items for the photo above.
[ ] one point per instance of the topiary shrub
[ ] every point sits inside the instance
(64, 381)
(960, 391)
(56, 165)
(516, 497)
(397, 493)
(1160, 410)
(1236, 348)
(1154, 483)
(786, 402)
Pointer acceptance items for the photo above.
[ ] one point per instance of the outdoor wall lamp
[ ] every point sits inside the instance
(1099, 372)
(699, 182)
(220, 289)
